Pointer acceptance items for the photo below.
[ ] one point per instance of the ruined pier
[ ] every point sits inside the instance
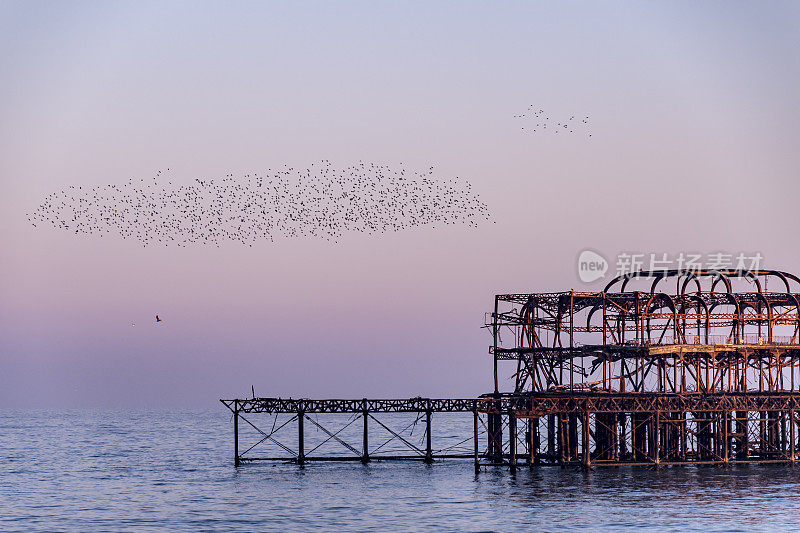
(659, 368)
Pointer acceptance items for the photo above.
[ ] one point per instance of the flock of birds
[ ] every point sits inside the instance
(321, 201)
(158, 320)
(535, 120)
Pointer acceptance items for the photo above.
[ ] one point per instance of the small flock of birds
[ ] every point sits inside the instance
(535, 120)
(158, 319)
(321, 201)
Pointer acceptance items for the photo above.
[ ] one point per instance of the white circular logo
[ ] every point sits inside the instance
(591, 266)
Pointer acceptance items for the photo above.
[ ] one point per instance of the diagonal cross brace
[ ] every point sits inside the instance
(402, 430)
(269, 436)
(333, 435)
(397, 435)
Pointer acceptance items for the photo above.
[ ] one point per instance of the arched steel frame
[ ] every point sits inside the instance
(705, 330)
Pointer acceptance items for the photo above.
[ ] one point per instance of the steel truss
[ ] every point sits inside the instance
(364, 411)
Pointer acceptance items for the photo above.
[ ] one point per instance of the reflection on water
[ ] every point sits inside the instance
(157, 470)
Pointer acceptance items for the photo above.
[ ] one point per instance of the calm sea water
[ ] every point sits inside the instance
(172, 470)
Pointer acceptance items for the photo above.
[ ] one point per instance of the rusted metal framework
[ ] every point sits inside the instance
(707, 339)
(363, 414)
(659, 368)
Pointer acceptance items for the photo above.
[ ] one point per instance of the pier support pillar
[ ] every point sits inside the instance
(533, 441)
(475, 439)
(792, 454)
(563, 452)
(236, 433)
(495, 437)
(301, 455)
(726, 438)
(587, 452)
(622, 453)
(428, 448)
(512, 441)
(657, 438)
(742, 435)
(365, 443)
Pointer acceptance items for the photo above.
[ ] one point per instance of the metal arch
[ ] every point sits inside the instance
(658, 277)
(528, 305)
(689, 276)
(625, 282)
(589, 316)
(754, 278)
(763, 299)
(737, 323)
(721, 277)
(661, 274)
(671, 305)
(659, 295)
(703, 303)
(614, 282)
(792, 277)
(625, 278)
(782, 276)
(525, 314)
(797, 307)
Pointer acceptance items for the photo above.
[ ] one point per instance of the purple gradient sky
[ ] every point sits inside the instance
(694, 111)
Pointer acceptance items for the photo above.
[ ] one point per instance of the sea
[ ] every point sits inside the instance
(173, 470)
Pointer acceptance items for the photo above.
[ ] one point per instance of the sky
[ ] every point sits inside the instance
(695, 146)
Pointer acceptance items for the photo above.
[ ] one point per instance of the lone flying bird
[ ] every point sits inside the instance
(158, 319)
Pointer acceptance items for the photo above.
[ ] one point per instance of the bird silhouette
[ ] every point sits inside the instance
(158, 319)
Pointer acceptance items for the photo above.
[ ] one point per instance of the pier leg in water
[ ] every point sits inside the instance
(365, 443)
(236, 433)
(475, 440)
(793, 457)
(428, 448)
(512, 441)
(587, 459)
(495, 433)
(301, 455)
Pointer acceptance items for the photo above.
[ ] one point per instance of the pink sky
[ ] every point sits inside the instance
(694, 115)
